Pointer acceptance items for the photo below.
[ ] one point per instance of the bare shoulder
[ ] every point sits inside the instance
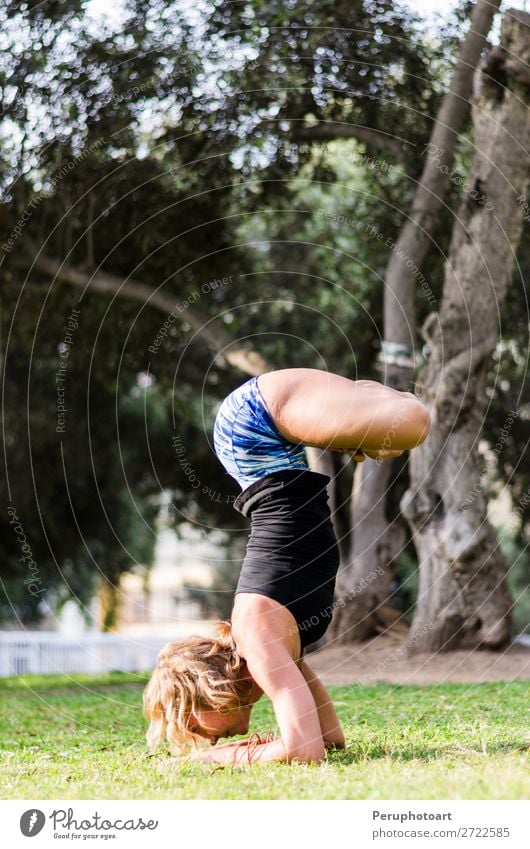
(262, 626)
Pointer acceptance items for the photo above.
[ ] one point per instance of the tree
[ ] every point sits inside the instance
(76, 514)
(463, 595)
(380, 533)
(143, 216)
(76, 187)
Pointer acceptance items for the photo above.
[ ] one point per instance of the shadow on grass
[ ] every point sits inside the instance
(407, 752)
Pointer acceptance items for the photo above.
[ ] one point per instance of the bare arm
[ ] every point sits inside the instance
(296, 713)
(330, 411)
(330, 727)
(270, 661)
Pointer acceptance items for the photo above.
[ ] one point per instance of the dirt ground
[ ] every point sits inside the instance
(384, 658)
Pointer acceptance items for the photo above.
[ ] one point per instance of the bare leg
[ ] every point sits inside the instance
(329, 411)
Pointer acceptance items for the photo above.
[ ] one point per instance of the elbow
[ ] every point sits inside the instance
(423, 423)
(335, 741)
(418, 423)
(310, 753)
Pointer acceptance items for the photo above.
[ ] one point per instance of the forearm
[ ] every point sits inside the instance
(396, 423)
(332, 746)
(330, 726)
(243, 754)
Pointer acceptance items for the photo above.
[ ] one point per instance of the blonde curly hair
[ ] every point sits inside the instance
(197, 673)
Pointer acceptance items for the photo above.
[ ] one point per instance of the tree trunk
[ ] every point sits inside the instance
(109, 595)
(363, 585)
(379, 534)
(433, 187)
(463, 597)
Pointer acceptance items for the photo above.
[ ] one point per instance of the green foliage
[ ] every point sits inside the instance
(82, 737)
(166, 152)
(72, 491)
(407, 576)
(516, 551)
(361, 63)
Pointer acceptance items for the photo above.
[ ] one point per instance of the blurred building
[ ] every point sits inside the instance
(156, 600)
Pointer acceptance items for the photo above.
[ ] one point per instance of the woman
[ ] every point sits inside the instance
(205, 688)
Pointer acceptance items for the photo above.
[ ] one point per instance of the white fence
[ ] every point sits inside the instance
(46, 652)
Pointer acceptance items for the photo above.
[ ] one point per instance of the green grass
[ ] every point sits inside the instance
(83, 737)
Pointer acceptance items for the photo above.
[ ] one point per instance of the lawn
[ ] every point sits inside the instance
(83, 738)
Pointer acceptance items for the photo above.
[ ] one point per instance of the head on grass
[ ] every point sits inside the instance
(200, 690)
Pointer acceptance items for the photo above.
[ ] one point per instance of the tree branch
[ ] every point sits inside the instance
(216, 337)
(341, 130)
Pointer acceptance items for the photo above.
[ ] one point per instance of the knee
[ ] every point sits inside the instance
(420, 421)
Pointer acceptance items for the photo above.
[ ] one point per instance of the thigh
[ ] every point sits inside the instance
(330, 411)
